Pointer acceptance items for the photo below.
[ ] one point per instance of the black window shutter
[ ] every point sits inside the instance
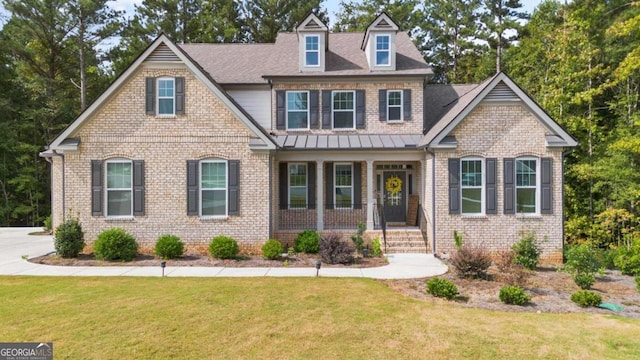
(281, 104)
(284, 185)
(314, 109)
(96, 187)
(138, 187)
(326, 109)
(547, 180)
(357, 185)
(360, 109)
(509, 186)
(233, 187)
(150, 95)
(328, 189)
(311, 185)
(179, 96)
(382, 104)
(491, 200)
(192, 188)
(454, 186)
(406, 104)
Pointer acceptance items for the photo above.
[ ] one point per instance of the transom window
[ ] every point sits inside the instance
(311, 50)
(213, 188)
(343, 178)
(297, 109)
(343, 109)
(382, 49)
(471, 186)
(526, 186)
(297, 186)
(166, 96)
(394, 105)
(119, 190)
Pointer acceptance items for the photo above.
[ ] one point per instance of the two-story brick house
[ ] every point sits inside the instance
(318, 130)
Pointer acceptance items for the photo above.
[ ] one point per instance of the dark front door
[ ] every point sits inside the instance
(394, 188)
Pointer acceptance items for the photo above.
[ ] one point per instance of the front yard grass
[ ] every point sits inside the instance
(166, 318)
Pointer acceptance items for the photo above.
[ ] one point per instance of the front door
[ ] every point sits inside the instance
(394, 188)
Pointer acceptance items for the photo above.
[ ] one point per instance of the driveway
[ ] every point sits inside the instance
(16, 243)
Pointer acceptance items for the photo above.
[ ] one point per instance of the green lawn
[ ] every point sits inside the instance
(156, 318)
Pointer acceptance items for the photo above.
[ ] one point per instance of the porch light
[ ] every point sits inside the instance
(318, 265)
(163, 264)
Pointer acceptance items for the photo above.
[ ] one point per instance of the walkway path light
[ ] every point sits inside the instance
(163, 264)
(318, 265)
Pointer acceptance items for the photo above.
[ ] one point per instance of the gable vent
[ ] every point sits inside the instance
(382, 24)
(162, 53)
(312, 25)
(502, 92)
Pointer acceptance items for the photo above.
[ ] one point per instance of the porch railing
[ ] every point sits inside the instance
(422, 222)
(335, 216)
(381, 223)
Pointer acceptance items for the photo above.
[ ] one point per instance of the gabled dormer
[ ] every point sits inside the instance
(312, 44)
(379, 43)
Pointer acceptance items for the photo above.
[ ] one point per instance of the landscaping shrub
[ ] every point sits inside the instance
(69, 238)
(628, 259)
(115, 244)
(509, 272)
(376, 247)
(308, 242)
(272, 249)
(442, 288)
(169, 247)
(47, 223)
(527, 250)
(584, 281)
(335, 251)
(471, 262)
(586, 298)
(638, 282)
(606, 257)
(357, 239)
(223, 247)
(513, 295)
(582, 263)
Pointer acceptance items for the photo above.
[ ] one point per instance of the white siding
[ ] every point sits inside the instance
(257, 103)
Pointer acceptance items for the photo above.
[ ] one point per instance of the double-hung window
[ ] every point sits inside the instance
(343, 177)
(119, 189)
(343, 109)
(382, 50)
(526, 186)
(213, 188)
(312, 50)
(297, 110)
(298, 186)
(394, 105)
(471, 186)
(166, 96)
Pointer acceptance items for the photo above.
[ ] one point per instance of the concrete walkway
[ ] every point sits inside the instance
(16, 245)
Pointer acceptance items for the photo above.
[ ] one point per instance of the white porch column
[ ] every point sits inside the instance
(370, 198)
(320, 194)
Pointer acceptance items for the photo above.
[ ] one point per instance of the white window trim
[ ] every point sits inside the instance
(287, 111)
(536, 187)
(306, 187)
(401, 106)
(482, 187)
(335, 186)
(333, 110)
(226, 189)
(158, 97)
(311, 51)
(388, 50)
(107, 189)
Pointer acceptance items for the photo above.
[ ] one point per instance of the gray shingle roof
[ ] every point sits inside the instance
(348, 142)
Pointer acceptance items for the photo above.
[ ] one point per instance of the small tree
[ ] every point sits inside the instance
(582, 263)
(357, 239)
(527, 250)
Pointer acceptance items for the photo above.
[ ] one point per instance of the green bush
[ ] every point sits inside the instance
(223, 247)
(358, 240)
(47, 223)
(69, 238)
(582, 263)
(527, 251)
(442, 288)
(513, 295)
(628, 259)
(471, 262)
(272, 249)
(376, 247)
(586, 298)
(606, 257)
(308, 242)
(169, 247)
(584, 281)
(115, 244)
(638, 282)
(335, 251)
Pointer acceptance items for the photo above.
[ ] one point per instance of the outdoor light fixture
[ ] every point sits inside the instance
(318, 265)
(163, 264)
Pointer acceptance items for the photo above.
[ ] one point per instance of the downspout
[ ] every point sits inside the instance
(271, 195)
(433, 197)
(48, 159)
(564, 153)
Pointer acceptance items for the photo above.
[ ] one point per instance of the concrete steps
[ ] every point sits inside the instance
(403, 241)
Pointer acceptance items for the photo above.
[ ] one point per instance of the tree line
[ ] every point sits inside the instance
(580, 61)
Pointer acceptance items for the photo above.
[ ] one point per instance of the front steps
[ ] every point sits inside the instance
(402, 241)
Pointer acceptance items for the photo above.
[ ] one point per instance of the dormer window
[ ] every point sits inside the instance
(382, 50)
(312, 52)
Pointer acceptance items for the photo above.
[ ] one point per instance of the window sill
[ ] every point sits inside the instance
(213, 218)
(166, 116)
(119, 218)
(474, 217)
(395, 121)
(528, 216)
(343, 129)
